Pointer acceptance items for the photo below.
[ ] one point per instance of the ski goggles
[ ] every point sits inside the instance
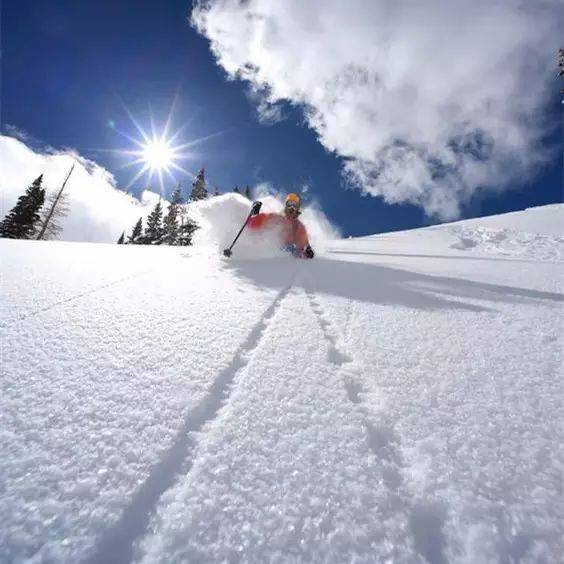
(292, 206)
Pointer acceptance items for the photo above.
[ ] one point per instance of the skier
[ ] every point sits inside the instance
(293, 234)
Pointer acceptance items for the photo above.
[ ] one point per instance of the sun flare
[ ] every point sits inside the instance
(158, 154)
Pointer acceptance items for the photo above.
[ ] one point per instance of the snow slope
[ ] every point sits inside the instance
(400, 399)
(535, 233)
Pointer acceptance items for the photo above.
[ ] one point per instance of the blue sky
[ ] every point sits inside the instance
(67, 64)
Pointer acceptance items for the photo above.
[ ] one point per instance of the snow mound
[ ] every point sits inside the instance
(508, 242)
(532, 233)
(545, 220)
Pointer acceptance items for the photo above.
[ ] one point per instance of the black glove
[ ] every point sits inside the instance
(308, 252)
(256, 208)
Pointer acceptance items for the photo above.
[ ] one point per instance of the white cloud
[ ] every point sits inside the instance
(99, 212)
(429, 102)
(266, 112)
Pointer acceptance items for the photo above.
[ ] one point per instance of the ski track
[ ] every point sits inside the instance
(348, 251)
(249, 529)
(426, 520)
(116, 545)
(83, 294)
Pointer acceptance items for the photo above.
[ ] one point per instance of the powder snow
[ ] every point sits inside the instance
(400, 398)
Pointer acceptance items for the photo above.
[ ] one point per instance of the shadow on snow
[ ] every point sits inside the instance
(387, 286)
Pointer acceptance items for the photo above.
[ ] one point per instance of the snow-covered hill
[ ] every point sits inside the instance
(398, 399)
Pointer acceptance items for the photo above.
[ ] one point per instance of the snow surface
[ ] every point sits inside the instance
(398, 399)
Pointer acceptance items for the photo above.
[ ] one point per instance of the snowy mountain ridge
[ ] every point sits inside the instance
(399, 398)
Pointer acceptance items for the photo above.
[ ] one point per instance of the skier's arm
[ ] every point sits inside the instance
(302, 243)
(258, 221)
(302, 240)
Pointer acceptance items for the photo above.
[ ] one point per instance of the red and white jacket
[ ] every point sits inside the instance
(291, 230)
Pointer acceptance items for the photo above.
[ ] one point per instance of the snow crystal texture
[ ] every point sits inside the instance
(398, 399)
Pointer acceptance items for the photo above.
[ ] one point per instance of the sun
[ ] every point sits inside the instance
(157, 154)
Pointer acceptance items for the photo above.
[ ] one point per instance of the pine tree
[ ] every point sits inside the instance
(248, 193)
(199, 191)
(137, 234)
(216, 192)
(170, 226)
(236, 190)
(21, 222)
(176, 196)
(186, 226)
(170, 222)
(561, 68)
(154, 231)
(57, 208)
(185, 232)
(121, 239)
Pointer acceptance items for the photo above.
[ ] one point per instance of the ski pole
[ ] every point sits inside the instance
(254, 210)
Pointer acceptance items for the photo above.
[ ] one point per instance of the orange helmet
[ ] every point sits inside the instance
(293, 200)
(292, 205)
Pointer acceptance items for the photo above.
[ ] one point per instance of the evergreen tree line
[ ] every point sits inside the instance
(200, 191)
(36, 215)
(175, 227)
